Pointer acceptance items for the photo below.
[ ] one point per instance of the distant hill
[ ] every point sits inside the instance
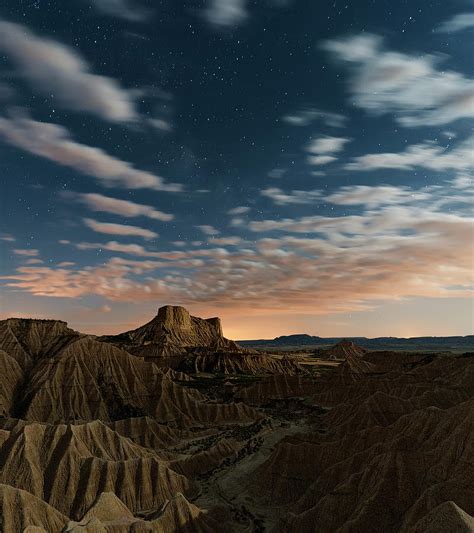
(457, 343)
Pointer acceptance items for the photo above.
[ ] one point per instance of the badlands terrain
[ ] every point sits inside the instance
(172, 427)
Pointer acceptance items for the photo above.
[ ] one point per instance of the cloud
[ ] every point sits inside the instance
(408, 86)
(375, 196)
(114, 246)
(449, 134)
(293, 197)
(123, 9)
(26, 252)
(460, 22)
(355, 49)
(119, 229)
(327, 145)
(463, 181)
(238, 210)
(208, 230)
(55, 143)
(55, 69)
(319, 160)
(105, 204)
(173, 258)
(306, 116)
(324, 148)
(277, 173)
(398, 244)
(7, 238)
(160, 124)
(226, 13)
(225, 241)
(340, 264)
(425, 155)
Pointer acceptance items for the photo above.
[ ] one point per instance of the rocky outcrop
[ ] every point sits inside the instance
(175, 338)
(69, 466)
(446, 517)
(174, 333)
(12, 378)
(238, 363)
(79, 379)
(177, 515)
(21, 511)
(27, 340)
(344, 349)
(363, 473)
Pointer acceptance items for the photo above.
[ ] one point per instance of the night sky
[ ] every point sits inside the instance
(291, 166)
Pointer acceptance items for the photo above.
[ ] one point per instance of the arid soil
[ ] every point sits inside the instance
(173, 428)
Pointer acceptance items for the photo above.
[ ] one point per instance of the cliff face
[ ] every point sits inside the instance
(187, 343)
(173, 333)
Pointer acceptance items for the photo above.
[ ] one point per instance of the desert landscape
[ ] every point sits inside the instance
(172, 427)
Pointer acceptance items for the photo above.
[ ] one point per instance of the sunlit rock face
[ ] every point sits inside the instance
(173, 332)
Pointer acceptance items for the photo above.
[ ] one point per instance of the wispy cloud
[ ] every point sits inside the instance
(124, 9)
(225, 13)
(113, 246)
(322, 149)
(160, 124)
(409, 86)
(226, 241)
(279, 197)
(375, 196)
(307, 115)
(125, 208)
(327, 145)
(55, 143)
(119, 229)
(463, 181)
(426, 155)
(238, 210)
(318, 160)
(55, 69)
(26, 252)
(208, 230)
(460, 22)
(277, 173)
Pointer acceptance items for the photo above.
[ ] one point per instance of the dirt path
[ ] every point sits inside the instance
(230, 487)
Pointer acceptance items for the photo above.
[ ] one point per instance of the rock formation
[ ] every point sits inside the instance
(173, 333)
(344, 349)
(176, 339)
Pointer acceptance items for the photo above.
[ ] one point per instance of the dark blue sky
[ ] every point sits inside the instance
(289, 165)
